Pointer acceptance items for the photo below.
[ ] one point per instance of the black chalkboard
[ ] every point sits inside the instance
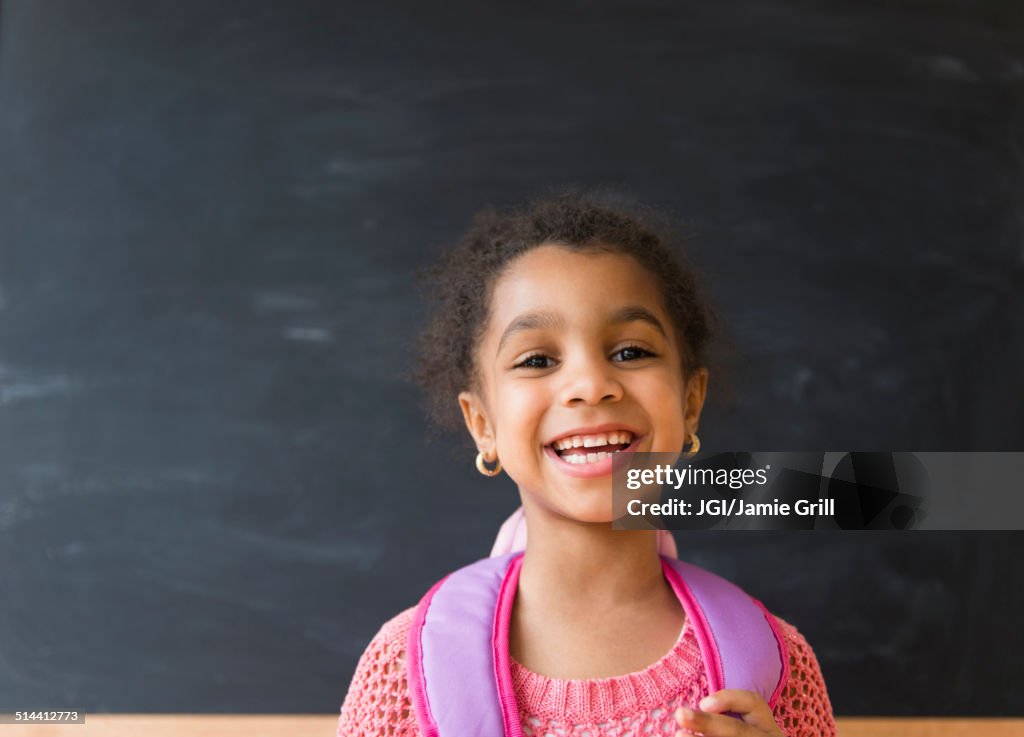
(214, 485)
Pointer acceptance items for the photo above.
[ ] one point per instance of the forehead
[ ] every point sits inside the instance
(572, 282)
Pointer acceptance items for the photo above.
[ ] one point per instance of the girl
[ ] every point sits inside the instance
(562, 325)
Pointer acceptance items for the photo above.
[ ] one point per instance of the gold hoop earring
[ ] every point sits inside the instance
(483, 469)
(695, 448)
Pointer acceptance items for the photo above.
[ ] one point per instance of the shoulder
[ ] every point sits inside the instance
(393, 633)
(386, 650)
(799, 648)
(378, 701)
(803, 707)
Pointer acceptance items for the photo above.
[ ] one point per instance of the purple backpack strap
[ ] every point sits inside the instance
(457, 654)
(740, 642)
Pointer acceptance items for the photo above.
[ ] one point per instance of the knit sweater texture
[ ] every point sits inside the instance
(640, 704)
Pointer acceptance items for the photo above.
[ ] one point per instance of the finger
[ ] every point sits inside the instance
(748, 705)
(709, 725)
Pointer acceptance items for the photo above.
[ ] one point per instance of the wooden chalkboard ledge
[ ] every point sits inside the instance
(286, 725)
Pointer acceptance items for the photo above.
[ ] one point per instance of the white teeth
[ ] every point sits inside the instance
(580, 458)
(616, 437)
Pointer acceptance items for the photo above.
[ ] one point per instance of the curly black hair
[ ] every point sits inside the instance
(461, 284)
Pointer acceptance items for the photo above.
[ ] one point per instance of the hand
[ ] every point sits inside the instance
(757, 716)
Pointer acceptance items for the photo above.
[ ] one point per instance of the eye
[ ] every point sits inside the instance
(635, 351)
(534, 361)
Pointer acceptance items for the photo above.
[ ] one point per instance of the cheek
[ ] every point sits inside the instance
(523, 408)
(665, 402)
(663, 389)
(520, 429)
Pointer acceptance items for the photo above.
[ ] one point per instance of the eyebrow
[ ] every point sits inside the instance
(541, 320)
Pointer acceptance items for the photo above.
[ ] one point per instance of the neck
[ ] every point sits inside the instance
(580, 566)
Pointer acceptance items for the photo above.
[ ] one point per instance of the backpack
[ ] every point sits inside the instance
(457, 652)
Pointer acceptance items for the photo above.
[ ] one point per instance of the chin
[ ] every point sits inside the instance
(600, 513)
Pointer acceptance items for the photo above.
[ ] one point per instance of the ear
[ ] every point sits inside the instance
(694, 396)
(474, 412)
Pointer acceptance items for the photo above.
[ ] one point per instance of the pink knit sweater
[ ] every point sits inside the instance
(641, 703)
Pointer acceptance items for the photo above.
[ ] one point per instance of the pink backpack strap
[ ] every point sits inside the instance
(739, 640)
(457, 653)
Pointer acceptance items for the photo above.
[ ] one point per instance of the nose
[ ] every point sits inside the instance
(590, 379)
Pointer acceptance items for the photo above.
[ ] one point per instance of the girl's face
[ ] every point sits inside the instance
(579, 359)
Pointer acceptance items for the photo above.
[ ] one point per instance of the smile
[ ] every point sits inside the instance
(590, 455)
(590, 448)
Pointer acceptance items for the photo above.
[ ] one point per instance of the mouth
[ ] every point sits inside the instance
(590, 455)
(581, 449)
